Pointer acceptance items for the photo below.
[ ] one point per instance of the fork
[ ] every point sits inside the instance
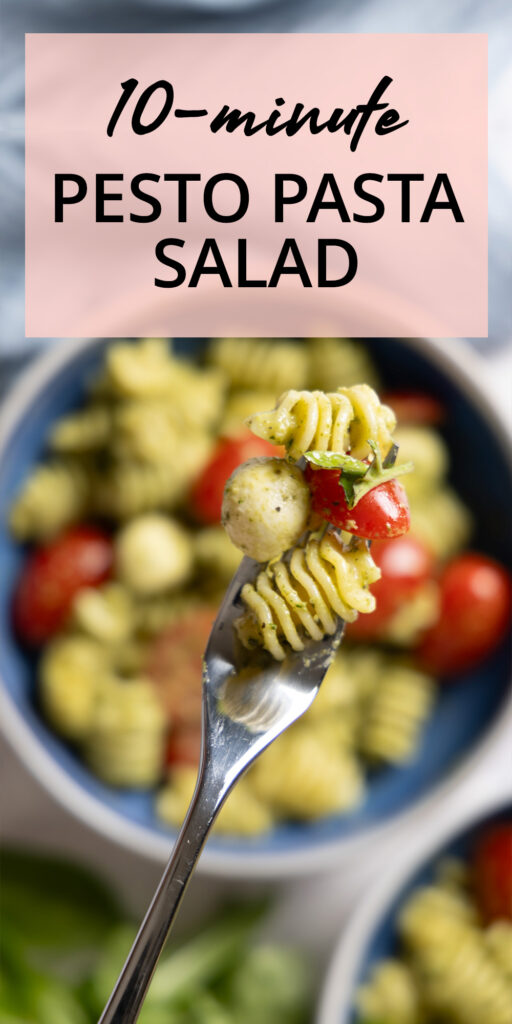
(248, 700)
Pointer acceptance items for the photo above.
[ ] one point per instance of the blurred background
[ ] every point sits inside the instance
(308, 913)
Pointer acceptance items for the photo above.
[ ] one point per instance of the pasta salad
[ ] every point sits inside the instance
(127, 562)
(454, 963)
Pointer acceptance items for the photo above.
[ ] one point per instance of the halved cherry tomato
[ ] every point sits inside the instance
(230, 452)
(380, 514)
(415, 407)
(492, 872)
(175, 665)
(405, 563)
(53, 574)
(475, 611)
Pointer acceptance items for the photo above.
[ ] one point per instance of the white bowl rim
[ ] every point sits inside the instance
(461, 365)
(340, 980)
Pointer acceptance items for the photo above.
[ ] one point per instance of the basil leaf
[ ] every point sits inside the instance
(337, 460)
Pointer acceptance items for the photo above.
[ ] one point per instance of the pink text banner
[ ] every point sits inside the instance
(271, 185)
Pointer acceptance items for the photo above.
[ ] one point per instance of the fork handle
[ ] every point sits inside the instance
(128, 995)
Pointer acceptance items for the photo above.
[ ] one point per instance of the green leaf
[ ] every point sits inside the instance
(184, 969)
(337, 460)
(53, 904)
(271, 986)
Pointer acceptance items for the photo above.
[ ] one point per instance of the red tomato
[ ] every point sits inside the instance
(207, 492)
(476, 603)
(184, 746)
(175, 665)
(53, 574)
(380, 514)
(492, 869)
(405, 564)
(415, 407)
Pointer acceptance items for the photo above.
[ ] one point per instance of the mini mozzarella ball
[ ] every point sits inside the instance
(153, 553)
(266, 507)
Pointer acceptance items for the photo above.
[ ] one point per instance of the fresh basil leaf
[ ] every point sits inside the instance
(337, 460)
(52, 904)
(377, 476)
(347, 483)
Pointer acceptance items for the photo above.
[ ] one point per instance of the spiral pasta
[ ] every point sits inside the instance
(104, 613)
(455, 971)
(56, 494)
(126, 737)
(336, 421)
(82, 431)
(307, 774)
(126, 488)
(338, 361)
(396, 714)
(391, 996)
(292, 601)
(498, 940)
(273, 364)
(71, 674)
(442, 522)
(459, 979)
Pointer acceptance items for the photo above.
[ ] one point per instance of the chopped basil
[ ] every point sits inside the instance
(357, 477)
(336, 460)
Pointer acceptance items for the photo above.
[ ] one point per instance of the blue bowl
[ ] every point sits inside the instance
(373, 935)
(463, 715)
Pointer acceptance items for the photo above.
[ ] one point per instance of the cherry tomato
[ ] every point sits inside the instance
(184, 746)
(492, 871)
(475, 610)
(207, 492)
(380, 514)
(405, 563)
(175, 665)
(53, 574)
(415, 407)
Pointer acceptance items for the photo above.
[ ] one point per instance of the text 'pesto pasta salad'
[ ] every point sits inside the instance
(127, 563)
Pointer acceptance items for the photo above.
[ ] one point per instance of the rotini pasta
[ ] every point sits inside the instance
(452, 969)
(125, 741)
(498, 940)
(274, 365)
(72, 670)
(82, 431)
(396, 714)
(56, 494)
(129, 458)
(337, 421)
(105, 613)
(290, 602)
(429, 453)
(338, 361)
(307, 774)
(391, 996)
(442, 522)
(458, 977)
(240, 405)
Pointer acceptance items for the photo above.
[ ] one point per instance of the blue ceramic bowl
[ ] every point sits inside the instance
(372, 935)
(465, 713)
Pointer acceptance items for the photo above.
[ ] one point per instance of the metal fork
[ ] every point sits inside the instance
(248, 700)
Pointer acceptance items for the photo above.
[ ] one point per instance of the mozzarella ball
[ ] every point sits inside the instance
(266, 507)
(153, 553)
